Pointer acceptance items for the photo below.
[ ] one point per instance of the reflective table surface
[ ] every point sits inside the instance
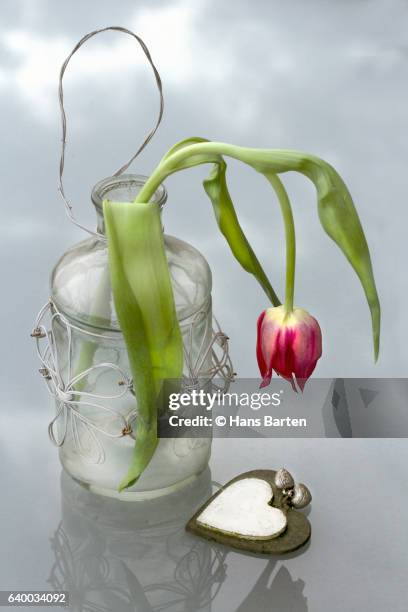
(119, 556)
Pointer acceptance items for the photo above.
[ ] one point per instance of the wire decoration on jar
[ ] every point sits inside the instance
(70, 399)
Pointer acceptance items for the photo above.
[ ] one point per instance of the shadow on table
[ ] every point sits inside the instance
(281, 593)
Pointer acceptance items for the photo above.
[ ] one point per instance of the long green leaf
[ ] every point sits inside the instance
(145, 307)
(216, 188)
(341, 222)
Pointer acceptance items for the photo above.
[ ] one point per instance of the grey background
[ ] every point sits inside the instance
(324, 77)
(327, 77)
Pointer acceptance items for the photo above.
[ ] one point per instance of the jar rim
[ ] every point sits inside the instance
(102, 188)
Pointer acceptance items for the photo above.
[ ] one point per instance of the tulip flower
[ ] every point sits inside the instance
(289, 343)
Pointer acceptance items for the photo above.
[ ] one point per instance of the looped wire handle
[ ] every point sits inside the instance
(68, 206)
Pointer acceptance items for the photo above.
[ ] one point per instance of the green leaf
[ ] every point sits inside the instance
(341, 222)
(145, 307)
(216, 188)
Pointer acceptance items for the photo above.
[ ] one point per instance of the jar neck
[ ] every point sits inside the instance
(122, 188)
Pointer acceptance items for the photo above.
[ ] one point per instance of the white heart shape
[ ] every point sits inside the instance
(243, 510)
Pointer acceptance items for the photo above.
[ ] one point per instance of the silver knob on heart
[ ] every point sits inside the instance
(301, 496)
(284, 480)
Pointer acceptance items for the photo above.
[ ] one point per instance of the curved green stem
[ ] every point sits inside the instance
(263, 160)
(154, 181)
(287, 215)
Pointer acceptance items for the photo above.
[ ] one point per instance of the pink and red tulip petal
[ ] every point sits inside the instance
(290, 344)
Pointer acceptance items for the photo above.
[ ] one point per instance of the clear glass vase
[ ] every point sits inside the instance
(86, 353)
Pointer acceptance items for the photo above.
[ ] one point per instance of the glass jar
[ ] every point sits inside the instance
(88, 354)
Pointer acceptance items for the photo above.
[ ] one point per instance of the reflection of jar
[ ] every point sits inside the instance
(115, 556)
(94, 427)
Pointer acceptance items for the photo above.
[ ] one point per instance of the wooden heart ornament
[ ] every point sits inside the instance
(252, 513)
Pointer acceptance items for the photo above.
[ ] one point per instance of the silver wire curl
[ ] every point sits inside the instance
(68, 206)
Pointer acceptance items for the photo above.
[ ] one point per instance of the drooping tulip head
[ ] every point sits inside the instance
(289, 343)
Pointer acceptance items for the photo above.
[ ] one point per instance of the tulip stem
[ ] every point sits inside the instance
(287, 215)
